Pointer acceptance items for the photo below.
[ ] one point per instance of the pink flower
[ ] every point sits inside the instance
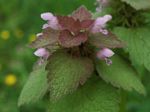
(39, 34)
(100, 24)
(52, 20)
(45, 26)
(47, 16)
(42, 52)
(105, 54)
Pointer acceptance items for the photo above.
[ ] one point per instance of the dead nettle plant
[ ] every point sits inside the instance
(76, 63)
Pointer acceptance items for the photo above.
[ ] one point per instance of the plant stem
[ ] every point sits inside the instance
(123, 101)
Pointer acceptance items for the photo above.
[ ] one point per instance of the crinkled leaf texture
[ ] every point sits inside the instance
(67, 40)
(94, 96)
(120, 74)
(66, 73)
(48, 37)
(138, 44)
(35, 87)
(71, 35)
(100, 40)
(138, 4)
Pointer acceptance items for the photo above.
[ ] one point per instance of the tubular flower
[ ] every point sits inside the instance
(105, 54)
(100, 24)
(42, 52)
(52, 20)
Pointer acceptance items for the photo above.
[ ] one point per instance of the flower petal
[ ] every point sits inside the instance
(105, 53)
(41, 52)
(47, 16)
(100, 23)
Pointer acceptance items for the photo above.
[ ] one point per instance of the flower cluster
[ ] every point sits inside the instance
(78, 30)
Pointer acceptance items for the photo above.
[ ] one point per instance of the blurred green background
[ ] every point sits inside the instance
(19, 22)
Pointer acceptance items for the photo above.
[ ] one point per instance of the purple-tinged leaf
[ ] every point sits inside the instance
(66, 39)
(48, 37)
(105, 41)
(81, 14)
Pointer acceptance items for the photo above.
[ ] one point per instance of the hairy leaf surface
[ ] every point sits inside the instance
(138, 44)
(66, 73)
(120, 74)
(94, 96)
(109, 41)
(35, 87)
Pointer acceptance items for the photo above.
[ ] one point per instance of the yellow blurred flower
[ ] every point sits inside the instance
(5, 34)
(32, 37)
(19, 33)
(10, 80)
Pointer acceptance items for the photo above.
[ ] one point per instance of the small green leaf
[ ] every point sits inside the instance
(120, 74)
(138, 4)
(35, 87)
(66, 73)
(94, 96)
(110, 41)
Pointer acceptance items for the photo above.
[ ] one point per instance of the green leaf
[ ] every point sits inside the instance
(94, 96)
(138, 4)
(120, 74)
(35, 87)
(137, 44)
(66, 73)
(100, 40)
